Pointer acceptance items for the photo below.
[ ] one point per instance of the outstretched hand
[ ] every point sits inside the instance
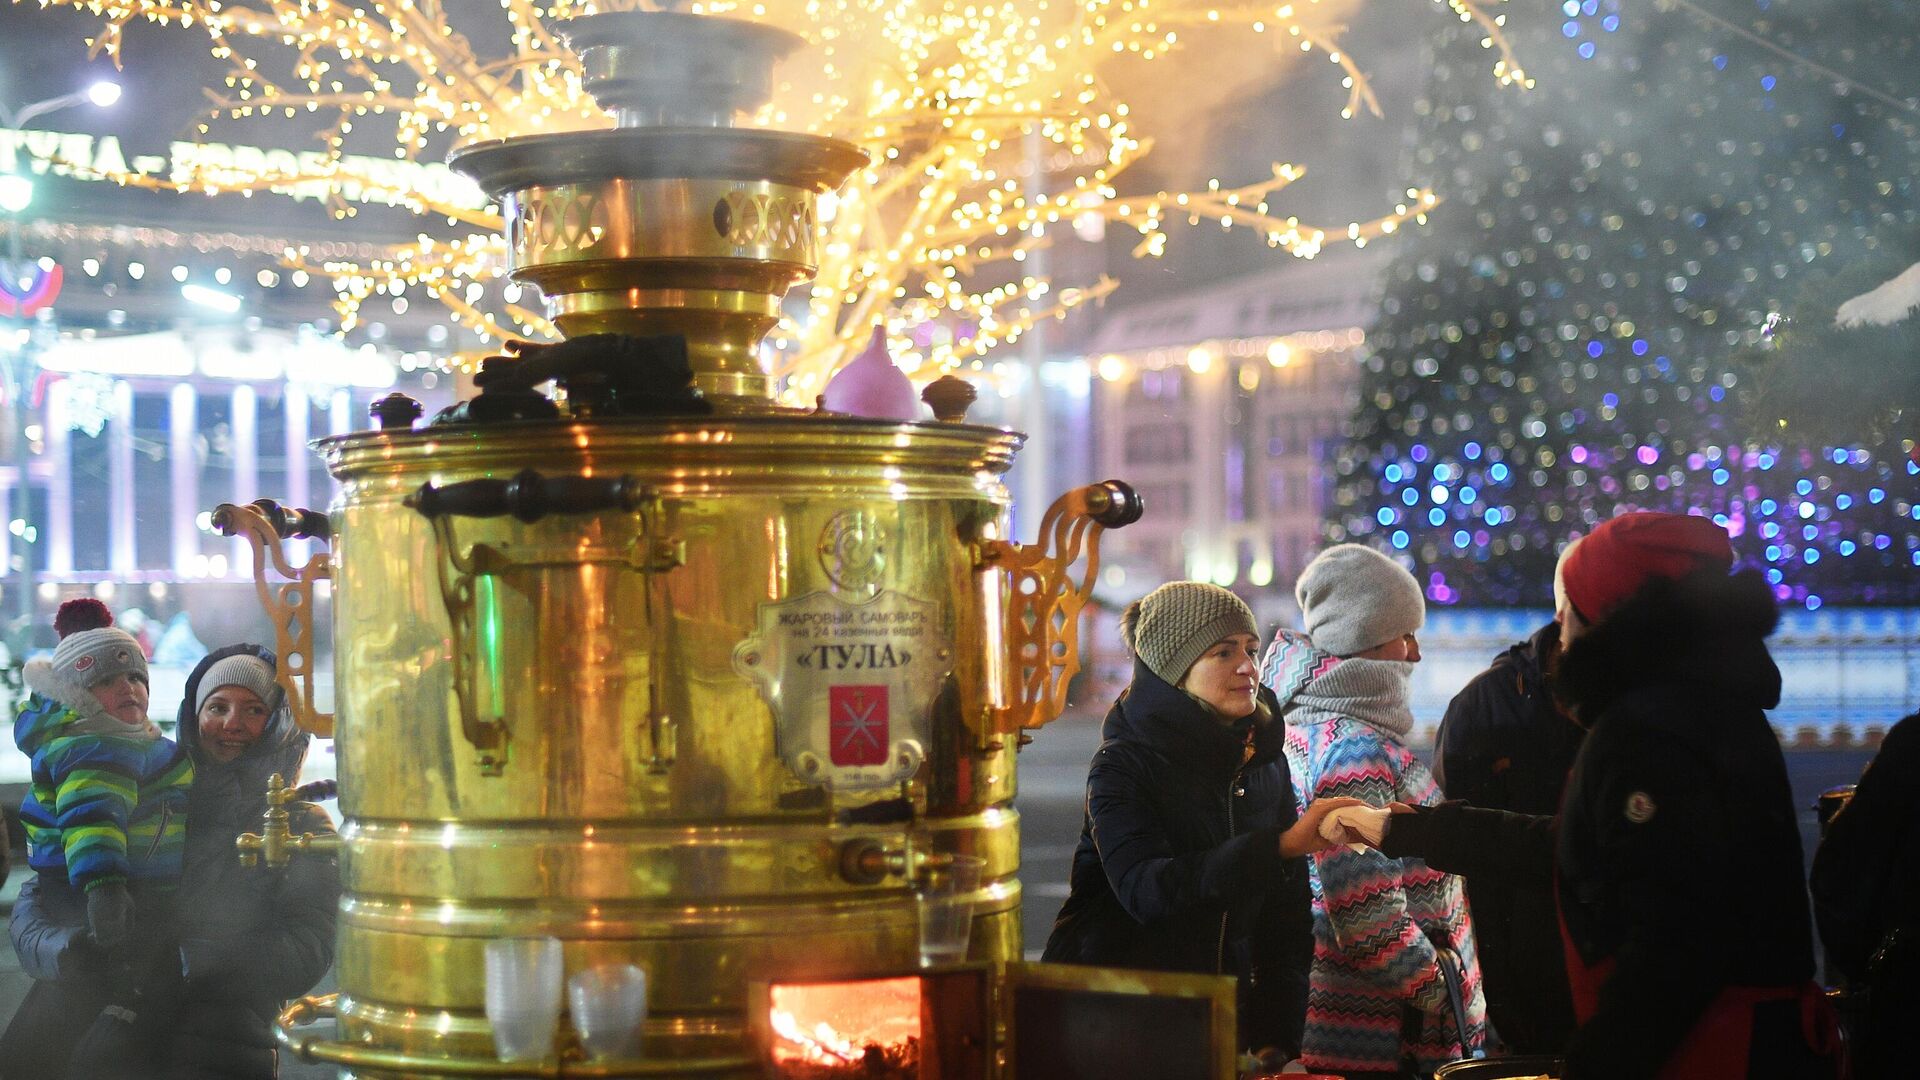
(1303, 837)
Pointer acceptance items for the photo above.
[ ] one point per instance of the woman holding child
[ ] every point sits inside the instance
(198, 995)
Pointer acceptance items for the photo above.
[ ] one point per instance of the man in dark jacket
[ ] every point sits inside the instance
(1866, 898)
(1190, 858)
(1505, 744)
(249, 938)
(1676, 853)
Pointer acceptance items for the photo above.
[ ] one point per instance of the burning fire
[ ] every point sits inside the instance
(824, 1047)
(865, 1028)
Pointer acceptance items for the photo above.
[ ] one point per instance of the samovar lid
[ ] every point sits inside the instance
(748, 154)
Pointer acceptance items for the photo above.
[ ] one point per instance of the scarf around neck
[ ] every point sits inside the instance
(1314, 686)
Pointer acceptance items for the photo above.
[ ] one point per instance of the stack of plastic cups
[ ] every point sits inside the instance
(524, 996)
(608, 1004)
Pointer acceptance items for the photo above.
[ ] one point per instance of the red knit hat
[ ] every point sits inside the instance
(1614, 560)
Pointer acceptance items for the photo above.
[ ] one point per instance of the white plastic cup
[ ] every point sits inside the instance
(524, 996)
(608, 1005)
(946, 910)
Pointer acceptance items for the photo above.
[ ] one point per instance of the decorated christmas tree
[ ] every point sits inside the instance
(1592, 323)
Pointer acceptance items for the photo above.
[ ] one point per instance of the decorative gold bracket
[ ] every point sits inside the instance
(465, 571)
(1042, 614)
(289, 606)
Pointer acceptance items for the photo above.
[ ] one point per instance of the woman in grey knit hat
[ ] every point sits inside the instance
(1192, 852)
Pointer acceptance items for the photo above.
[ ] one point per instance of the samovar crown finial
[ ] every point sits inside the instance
(672, 69)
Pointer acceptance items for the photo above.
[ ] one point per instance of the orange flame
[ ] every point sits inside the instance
(833, 1023)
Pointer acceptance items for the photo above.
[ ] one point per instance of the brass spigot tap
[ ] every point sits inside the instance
(275, 843)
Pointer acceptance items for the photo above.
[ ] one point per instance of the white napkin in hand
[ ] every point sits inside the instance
(1367, 822)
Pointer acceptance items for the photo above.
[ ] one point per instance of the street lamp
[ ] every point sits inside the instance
(101, 95)
(16, 194)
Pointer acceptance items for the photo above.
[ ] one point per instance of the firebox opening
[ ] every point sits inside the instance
(864, 1028)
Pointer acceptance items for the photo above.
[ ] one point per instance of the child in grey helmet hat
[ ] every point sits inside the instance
(107, 806)
(1395, 984)
(1191, 850)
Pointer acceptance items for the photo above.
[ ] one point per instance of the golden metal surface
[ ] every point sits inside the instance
(707, 259)
(288, 605)
(637, 806)
(389, 1063)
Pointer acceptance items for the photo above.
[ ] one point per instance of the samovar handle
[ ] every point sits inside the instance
(529, 496)
(1041, 617)
(289, 604)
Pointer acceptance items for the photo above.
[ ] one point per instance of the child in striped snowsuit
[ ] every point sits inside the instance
(106, 813)
(1395, 986)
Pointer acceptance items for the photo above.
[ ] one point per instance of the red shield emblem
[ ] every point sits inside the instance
(858, 718)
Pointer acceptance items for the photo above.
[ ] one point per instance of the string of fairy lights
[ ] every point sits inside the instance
(949, 97)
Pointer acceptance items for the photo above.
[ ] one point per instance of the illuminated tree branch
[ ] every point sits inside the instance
(991, 126)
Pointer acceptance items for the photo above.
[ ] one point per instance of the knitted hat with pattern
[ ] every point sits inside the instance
(92, 650)
(1170, 627)
(1352, 598)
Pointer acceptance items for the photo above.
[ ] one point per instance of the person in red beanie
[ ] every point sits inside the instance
(1613, 562)
(1675, 858)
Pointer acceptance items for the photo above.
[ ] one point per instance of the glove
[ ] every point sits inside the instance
(110, 915)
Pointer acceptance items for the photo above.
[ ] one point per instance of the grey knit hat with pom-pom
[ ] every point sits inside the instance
(1170, 627)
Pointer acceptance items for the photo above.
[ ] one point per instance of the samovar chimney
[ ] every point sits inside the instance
(666, 69)
(677, 221)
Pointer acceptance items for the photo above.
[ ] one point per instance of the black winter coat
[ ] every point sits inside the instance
(1866, 873)
(1504, 745)
(1866, 899)
(1179, 865)
(1676, 851)
(251, 938)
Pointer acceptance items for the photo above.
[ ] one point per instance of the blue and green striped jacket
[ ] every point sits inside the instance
(102, 807)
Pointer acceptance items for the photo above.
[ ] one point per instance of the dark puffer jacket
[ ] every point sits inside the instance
(249, 938)
(1676, 851)
(1179, 865)
(1504, 745)
(1866, 899)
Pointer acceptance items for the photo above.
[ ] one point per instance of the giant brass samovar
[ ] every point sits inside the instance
(663, 669)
